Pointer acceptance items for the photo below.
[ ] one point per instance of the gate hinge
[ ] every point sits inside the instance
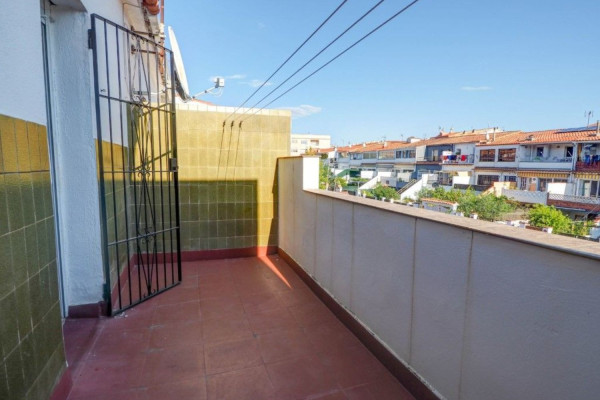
(90, 39)
(173, 164)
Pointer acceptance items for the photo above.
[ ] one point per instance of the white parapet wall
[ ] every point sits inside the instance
(478, 310)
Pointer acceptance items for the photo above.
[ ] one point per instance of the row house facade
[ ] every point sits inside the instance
(564, 164)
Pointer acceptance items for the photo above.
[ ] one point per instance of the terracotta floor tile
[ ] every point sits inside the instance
(353, 366)
(172, 365)
(271, 320)
(135, 394)
(194, 389)
(312, 314)
(298, 297)
(301, 377)
(221, 307)
(257, 302)
(284, 344)
(220, 289)
(330, 336)
(234, 330)
(108, 376)
(226, 329)
(231, 356)
(176, 313)
(176, 334)
(119, 343)
(387, 388)
(178, 294)
(335, 395)
(245, 384)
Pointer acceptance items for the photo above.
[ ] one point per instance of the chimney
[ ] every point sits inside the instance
(364, 144)
(598, 128)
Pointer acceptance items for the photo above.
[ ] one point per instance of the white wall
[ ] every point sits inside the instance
(478, 310)
(21, 61)
(77, 182)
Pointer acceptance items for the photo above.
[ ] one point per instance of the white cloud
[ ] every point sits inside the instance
(236, 76)
(475, 88)
(261, 25)
(303, 110)
(256, 83)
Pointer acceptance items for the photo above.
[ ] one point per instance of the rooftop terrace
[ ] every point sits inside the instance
(246, 328)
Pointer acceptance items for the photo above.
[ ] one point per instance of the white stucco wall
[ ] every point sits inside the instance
(21, 65)
(478, 310)
(77, 182)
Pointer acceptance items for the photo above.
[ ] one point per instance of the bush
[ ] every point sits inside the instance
(381, 191)
(487, 207)
(543, 216)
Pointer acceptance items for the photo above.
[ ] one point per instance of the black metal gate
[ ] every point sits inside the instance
(137, 164)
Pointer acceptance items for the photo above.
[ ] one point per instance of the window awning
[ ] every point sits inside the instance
(543, 174)
(593, 176)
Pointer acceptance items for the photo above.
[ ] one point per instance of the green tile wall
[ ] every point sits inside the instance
(31, 345)
(227, 179)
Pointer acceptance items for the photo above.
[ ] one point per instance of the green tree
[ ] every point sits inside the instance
(327, 180)
(487, 207)
(543, 216)
(380, 191)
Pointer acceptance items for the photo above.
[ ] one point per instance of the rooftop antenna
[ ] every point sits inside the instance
(588, 114)
(219, 84)
(181, 83)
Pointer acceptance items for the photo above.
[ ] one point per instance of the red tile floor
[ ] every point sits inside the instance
(235, 329)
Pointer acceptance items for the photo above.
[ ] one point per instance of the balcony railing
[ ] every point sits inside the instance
(567, 160)
(587, 166)
(433, 286)
(524, 196)
(458, 159)
(574, 199)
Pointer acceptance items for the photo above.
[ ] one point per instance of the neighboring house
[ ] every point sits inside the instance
(301, 143)
(562, 163)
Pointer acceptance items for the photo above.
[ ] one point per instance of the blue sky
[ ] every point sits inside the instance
(461, 64)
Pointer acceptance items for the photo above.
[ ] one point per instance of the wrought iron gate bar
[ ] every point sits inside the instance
(135, 123)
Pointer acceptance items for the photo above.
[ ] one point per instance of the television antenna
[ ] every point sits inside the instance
(588, 114)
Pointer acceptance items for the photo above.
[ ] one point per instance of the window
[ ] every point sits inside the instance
(507, 155)
(590, 188)
(510, 179)
(356, 156)
(543, 184)
(303, 142)
(370, 155)
(539, 152)
(487, 180)
(387, 154)
(569, 151)
(435, 155)
(314, 142)
(487, 155)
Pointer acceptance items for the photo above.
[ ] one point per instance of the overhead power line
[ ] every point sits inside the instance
(334, 58)
(317, 55)
(290, 57)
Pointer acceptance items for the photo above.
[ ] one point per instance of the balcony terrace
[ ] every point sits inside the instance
(582, 166)
(565, 163)
(245, 328)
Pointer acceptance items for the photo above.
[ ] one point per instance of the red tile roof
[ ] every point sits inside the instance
(548, 136)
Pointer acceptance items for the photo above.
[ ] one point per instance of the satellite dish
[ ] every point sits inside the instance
(181, 84)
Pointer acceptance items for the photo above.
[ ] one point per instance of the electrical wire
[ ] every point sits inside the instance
(334, 58)
(290, 57)
(317, 55)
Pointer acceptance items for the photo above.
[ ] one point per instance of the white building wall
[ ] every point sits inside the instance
(483, 311)
(75, 149)
(21, 62)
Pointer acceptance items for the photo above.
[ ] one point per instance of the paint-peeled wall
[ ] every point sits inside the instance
(228, 177)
